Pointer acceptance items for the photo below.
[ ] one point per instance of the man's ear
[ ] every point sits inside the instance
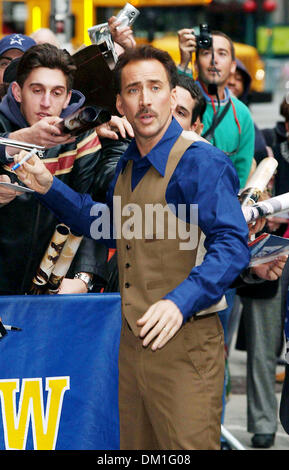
(198, 126)
(194, 126)
(233, 67)
(173, 98)
(16, 91)
(118, 104)
(66, 103)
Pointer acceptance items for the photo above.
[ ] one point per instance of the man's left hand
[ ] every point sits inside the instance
(272, 270)
(160, 323)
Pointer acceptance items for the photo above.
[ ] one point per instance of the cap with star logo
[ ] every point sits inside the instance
(15, 41)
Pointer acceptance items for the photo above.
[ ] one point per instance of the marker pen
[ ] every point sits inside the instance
(24, 159)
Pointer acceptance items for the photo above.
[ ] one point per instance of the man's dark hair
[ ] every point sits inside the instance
(146, 52)
(223, 35)
(189, 84)
(49, 56)
(284, 109)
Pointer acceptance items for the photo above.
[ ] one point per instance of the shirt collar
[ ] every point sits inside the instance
(158, 156)
(208, 97)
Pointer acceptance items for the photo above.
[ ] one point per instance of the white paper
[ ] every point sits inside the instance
(16, 187)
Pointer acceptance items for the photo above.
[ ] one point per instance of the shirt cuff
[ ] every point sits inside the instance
(182, 71)
(57, 190)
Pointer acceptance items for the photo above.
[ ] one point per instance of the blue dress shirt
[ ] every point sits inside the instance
(204, 176)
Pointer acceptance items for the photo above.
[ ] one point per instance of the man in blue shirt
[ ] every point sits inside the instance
(170, 393)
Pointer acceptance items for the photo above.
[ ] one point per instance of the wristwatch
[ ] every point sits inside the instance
(86, 279)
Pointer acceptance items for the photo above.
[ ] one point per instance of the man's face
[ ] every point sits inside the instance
(184, 108)
(146, 99)
(6, 58)
(43, 94)
(224, 65)
(183, 111)
(236, 83)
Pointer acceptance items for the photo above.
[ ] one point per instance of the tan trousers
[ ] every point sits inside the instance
(171, 399)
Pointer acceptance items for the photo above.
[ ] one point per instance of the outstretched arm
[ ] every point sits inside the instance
(77, 210)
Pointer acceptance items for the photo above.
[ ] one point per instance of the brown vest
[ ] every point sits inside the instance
(150, 263)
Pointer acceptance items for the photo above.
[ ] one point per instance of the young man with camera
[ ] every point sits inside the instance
(227, 122)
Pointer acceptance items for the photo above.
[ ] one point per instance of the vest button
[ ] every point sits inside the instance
(128, 247)
(127, 284)
(127, 265)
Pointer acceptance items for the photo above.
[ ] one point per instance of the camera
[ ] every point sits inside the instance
(204, 39)
(100, 34)
(127, 15)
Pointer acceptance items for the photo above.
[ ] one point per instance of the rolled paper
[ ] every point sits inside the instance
(266, 208)
(49, 259)
(258, 182)
(63, 263)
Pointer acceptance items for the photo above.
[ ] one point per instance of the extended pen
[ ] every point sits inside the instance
(12, 328)
(24, 159)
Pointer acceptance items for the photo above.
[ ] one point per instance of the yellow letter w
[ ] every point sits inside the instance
(44, 425)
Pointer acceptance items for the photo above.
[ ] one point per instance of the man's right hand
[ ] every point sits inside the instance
(34, 173)
(187, 45)
(110, 130)
(122, 35)
(44, 132)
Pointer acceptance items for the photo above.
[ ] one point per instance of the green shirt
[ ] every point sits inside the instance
(228, 138)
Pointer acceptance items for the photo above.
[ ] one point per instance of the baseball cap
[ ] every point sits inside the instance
(11, 71)
(16, 41)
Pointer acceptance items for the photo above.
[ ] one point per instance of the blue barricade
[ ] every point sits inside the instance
(59, 375)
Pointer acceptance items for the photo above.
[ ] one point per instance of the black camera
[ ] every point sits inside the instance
(204, 39)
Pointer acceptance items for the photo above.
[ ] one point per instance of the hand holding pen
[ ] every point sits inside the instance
(33, 173)
(24, 159)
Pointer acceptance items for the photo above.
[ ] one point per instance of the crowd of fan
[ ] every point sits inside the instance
(255, 311)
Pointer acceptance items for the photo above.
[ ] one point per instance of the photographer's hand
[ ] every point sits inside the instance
(187, 45)
(45, 132)
(122, 35)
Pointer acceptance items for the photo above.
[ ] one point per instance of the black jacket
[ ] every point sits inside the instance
(277, 139)
(26, 226)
